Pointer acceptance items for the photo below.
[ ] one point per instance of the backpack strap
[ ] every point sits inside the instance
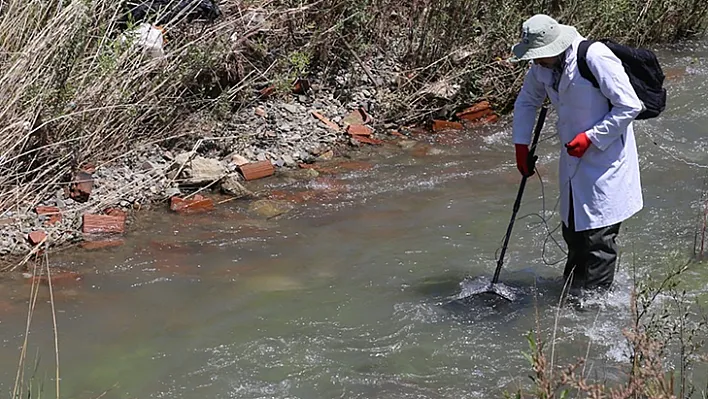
(583, 62)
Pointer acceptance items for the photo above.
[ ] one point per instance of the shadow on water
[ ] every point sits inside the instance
(464, 299)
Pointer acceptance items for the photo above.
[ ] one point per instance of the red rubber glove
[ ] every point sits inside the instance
(578, 145)
(525, 165)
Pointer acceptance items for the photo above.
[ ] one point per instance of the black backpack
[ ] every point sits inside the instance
(643, 69)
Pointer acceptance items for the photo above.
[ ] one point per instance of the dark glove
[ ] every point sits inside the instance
(525, 164)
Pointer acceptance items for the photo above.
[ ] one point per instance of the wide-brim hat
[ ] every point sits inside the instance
(541, 37)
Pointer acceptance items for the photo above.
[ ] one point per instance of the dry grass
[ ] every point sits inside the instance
(74, 93)
(658, 331)
(23, 386)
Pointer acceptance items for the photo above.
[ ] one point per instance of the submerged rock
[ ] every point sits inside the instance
(300, 174)
(230, 185)
(270, 208)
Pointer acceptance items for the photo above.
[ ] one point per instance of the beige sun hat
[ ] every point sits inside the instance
(542, 36)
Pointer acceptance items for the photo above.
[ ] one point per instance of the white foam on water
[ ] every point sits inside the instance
(497, 138)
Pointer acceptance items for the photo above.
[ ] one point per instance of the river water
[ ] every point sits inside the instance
(352, 294)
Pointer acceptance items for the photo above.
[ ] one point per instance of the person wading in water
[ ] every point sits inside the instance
(598, 167)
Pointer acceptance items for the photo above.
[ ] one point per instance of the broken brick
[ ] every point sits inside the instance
(474, 116)
(257, 170)
(261, 112)
(194, 205)
(54, 219)
(326, 121)
(88, 167)
(36, 237)
(115, 212)
(491, 118)
(53, 212)
(440, 125)
(301, 86)
(476, 111)
(359, 130)
(267, 91)
(397, 134)
(81, 187)
(367, 140)
(97, 224)
(47, 210)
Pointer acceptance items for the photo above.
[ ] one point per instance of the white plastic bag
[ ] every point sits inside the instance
(148, 37)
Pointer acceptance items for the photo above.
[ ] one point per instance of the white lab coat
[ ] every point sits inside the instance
(605, 180)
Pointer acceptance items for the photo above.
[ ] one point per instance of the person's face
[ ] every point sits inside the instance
(547, 62)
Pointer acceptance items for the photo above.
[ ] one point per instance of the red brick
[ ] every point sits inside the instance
(54, 219)
(439, 125)
(482, 107)
(47, 210)
(326, 121)
(194, 205)
(257, 170)
(115, 212)
(97, 224)
(36, 237)
(368, 140)
(474, 116)
(88, 167)
(53, 212)
(359, 130)
(491, 118)
(267, 91)
(301, 86)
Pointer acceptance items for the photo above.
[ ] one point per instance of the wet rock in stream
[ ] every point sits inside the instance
(269, 208)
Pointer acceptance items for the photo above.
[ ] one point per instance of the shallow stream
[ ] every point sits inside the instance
(351, 294)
